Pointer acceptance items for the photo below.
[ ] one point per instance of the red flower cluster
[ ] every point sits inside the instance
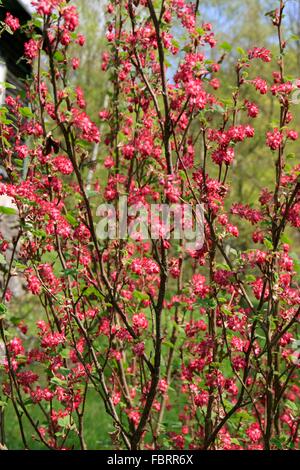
(12, 22)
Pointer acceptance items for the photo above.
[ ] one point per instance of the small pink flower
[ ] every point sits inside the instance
(12, 22)
(292, 135)
(75, 63)
(260, 53)
(63, 165)
(254, 432)
(252, 108)
(80, 40)
(274, 139)
(261, 85)
(34, 285)
(139, 349)
(201, 399)
(31, 49)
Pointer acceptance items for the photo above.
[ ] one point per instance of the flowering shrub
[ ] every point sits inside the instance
(203, 338)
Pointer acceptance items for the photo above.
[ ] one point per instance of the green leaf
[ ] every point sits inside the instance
(71, 219)
(226, 46)
(19, 265)
(235, 441)
(175, 43)
(7, 210)
(3, 309)
(268, 244)
(2, 259)
(58, 55)
(19, 162)
(39, 233)
(38, 23)
(243, 414)
(64, 422)
(8, 85)
(276, 441)
(70, 272)
(270, 13)
(140, 295)
(294, 37)
(26, 112)
(285, 239)
(57, 381)
(168, 344)
(226, 311)
(200, 31)
(292, 406)
(14, 320)
(241, 51)
(65, 353)
(182, 175)
(28, 402)
(91, 290)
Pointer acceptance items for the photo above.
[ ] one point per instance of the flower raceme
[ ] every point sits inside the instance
(274, 139)
(154, 329)
(12, 22)
(260, 53)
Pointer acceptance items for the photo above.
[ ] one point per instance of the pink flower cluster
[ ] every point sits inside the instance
(260, 53)
(12, 22)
